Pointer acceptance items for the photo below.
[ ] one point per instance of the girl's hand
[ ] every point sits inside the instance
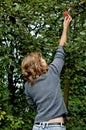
(67, 21)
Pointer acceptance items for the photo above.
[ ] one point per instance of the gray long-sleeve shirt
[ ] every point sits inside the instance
(45, 94)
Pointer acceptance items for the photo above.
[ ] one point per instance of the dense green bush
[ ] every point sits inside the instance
(36, 25)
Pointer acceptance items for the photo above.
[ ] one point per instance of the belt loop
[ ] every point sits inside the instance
(61, 124)
(46, 124)
(43, 126)
(40, 124)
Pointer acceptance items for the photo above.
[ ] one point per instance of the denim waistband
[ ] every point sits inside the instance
(50, 124)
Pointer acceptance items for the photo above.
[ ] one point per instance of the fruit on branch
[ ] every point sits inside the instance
(66, 14)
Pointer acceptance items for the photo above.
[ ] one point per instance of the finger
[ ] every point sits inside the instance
(65, 18)
(69, 17)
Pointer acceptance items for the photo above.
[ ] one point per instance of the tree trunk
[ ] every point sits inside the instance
(66, 91)
(11, 87)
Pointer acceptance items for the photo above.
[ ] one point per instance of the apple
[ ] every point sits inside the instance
(66, 13)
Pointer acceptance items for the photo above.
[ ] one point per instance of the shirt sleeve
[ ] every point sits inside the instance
(29, 98)
(58, 61)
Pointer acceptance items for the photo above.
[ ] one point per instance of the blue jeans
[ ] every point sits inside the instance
(49, 127)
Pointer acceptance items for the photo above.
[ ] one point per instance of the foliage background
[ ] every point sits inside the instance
(34, 25)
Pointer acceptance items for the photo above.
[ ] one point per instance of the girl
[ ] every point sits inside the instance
(43, 89)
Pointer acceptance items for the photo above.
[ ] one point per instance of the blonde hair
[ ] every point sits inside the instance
(32, 67)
